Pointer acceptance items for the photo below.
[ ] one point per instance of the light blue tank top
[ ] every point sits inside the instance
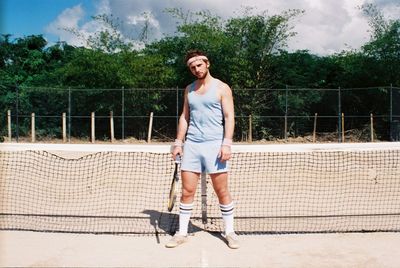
(206, 116)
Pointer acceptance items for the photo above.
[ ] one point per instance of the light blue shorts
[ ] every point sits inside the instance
(203, 157)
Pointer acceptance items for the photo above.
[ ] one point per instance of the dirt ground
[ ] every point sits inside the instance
(367, 250)
(351, 136)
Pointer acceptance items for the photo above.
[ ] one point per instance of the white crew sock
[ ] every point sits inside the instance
(185, 211)
(227, 216)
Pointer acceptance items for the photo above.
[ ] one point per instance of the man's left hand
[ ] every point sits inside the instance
(225, 153)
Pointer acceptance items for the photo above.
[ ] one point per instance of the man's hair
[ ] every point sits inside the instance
(193, 53)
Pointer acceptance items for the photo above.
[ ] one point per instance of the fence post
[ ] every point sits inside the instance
(93, 127)
(339, 115)
(391, 112)
(64, 127)
(33, 133)
(9, 125)
(69, 114)
(372, 128)
(342, 127)
(112, 126)
(286, 113)
(17, 114)
(315, 127)
(177, 107)
(123, 114)
(150, 128)
(250, 128)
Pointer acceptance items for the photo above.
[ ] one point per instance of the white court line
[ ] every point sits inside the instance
(204, 260)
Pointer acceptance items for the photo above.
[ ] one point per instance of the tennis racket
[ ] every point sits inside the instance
(174, 186)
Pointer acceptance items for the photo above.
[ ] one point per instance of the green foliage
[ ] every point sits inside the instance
(384, 47)
(91, 69)
(247, 51)
(256, 39)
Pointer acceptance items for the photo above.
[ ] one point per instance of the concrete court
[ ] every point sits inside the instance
(363, 250)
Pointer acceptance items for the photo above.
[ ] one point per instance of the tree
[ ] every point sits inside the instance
(22, 59)
(384, 46)
(257, 38)
(109, 39)
(241, 51)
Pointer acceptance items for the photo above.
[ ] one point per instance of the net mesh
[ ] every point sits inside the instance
(126, 191)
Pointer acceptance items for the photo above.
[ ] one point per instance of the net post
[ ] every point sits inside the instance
(204, 197)
(9, 125)
(112, 127)
(150, 128)
(93, 137)
(33, 133)
(64, 127)
(315, 127)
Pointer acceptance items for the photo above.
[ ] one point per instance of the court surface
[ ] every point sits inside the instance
(35, 249)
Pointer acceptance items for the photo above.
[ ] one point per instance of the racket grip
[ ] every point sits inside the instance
(178, 159)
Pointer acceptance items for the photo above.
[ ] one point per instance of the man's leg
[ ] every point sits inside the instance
(189, 185)
(220, 184)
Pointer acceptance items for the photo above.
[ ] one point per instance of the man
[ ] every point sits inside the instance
(207, 120)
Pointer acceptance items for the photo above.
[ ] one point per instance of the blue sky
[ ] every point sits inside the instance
(327, 26)
(25, 17)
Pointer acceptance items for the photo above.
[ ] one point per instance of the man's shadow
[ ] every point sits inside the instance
(167, 222)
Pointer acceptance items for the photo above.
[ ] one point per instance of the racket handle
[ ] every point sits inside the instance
(178, 159)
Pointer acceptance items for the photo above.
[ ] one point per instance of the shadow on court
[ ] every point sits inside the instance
(167, 223)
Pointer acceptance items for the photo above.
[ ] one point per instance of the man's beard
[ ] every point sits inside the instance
(203, 75)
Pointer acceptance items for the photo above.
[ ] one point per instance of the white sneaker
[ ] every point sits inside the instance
(232, 240)
(176, 240)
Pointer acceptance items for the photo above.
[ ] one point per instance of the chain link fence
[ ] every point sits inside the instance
(149, 115)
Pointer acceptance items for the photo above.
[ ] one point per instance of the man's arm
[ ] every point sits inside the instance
(229, 117)
(182, 127)
(183, 119)
(228, 110)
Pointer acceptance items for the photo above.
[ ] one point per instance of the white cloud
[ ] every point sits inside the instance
(142, 19)
(327, 26)
(69, 25)
(103, 7)
(392, 10)
(68, 19)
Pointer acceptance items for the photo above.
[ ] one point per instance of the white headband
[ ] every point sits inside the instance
(195, 58)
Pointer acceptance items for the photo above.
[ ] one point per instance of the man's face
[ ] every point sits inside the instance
(199, 68)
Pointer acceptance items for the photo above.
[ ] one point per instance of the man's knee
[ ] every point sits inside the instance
(188, 194)
(222, 192)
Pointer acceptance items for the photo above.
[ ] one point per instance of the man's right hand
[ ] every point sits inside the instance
(177, 150)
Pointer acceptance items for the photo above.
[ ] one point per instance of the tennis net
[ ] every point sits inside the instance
(121, 189)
